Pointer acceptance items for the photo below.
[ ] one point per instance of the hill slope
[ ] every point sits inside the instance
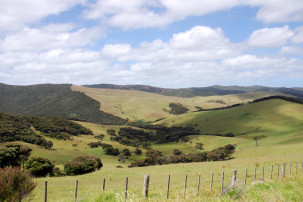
(272, 118)
(203, 91)
(53, 100)
(136, 105)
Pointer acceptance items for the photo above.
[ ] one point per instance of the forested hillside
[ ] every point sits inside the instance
(53, 100)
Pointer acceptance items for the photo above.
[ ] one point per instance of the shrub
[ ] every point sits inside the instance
(126, 152)
(100, 137)
(82, 165)
(15, 184)
(39, 167)
(177, 152)
(95, 144)
(14, 155)
(138, 151)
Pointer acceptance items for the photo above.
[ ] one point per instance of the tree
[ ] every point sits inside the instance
(111, 132)
(39, 167)
(199, 145)
(126, 152)
(14, 155)
(256, 138)
(138, 151)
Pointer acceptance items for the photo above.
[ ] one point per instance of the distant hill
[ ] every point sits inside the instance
(140, 105)
(202, 91)
(53, 100)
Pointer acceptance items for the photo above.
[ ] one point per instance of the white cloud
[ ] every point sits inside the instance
(270, 37)
(272, 11)
(292, 50)
(144, 13)
(48, 37)
(16, 14)
(298, 37)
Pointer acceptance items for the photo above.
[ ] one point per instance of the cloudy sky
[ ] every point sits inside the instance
(164, 43)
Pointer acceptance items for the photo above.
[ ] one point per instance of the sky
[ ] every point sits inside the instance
(163, 43)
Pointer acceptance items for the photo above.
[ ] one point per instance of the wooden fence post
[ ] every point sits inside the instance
(283, 169)
(45, 192)
(185, 182)
(198, 184)
(126, 184)
(222, 182)
(211, 180)
(296, 167)
(103, 185)
(145, 186)
(76, 190)
(168, 181)
(255, 175)
(271, 170)
(245, 176)
(290, 169)
(278, 170)
(302, 168)
(233, 179)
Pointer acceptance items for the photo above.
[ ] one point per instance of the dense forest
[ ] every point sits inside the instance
(53, 100)
(21, 128)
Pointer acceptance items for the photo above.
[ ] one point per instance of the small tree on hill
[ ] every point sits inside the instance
(111, 132)
(256, 138)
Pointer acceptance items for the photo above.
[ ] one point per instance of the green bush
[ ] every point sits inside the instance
(15, 184)
(13, 155)
(82, 165)
(39, 167)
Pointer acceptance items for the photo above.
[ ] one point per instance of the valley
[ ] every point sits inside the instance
(279, 121)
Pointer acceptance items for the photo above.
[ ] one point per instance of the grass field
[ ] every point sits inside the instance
(139, 105)
(280, 121)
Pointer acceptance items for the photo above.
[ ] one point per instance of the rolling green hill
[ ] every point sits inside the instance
(138, 105)
(203, 91)
(272, 118)
(53, 100)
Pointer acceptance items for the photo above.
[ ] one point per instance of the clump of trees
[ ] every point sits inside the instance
(17, 128)
(39, 167)
(95, 144)
(15, 184)
(154, 157)
(100, 137)
(14, 155)
(177, 108)
(58, 128)
(82, 165)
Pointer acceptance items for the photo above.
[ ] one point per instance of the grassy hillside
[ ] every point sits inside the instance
(272, 118)
(137, 105)
(202, 91)
(53, 100)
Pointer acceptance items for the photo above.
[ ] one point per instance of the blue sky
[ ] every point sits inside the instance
(165, 43)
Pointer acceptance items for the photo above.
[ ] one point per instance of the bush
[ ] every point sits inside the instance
(39, 167)
(15, 184)
(177, 152)
(14, 155)
(138, 151)
(95, 144)
(126, 152)
(82, 165)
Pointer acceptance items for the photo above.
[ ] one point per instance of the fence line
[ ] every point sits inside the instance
(232, 184)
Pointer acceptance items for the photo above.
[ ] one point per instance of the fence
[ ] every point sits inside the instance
(225, 184)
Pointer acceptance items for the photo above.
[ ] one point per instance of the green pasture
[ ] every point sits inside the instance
(280, 121)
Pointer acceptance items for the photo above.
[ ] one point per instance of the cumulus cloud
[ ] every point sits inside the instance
(270, 37)
(298, 37)
(143, 13)
(48, 37)
(20, 13)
